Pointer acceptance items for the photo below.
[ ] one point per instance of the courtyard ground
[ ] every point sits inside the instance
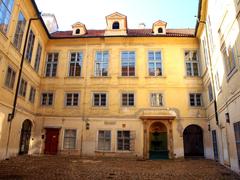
(74, 167)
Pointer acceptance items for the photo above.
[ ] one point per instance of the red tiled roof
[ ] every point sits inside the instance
(130, 33)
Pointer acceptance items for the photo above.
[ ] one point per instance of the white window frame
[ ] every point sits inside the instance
(38, 57)
(72, 100)
(191, 62)
(51, 63)
(104, 150)
(134, 99)
(155, 63)
(157, 93)
(75, 138)
(123, 150)
(20, 28)
(32, 96)
(47, 100)
(30, 45)
(10, 84)
(99, 104)
(195, 99)
(101, 63)
(23, 88)
(129, 61)
(75, 62)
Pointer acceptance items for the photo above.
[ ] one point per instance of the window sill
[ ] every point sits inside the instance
(231, 74)
(73, 77)
(8, 89)
(156, 77)
(196, 107)
(17, 50)
(104, 151)
(48, 77)
(71, 107)
(124, 77)
(21, 97)
(99, 108)
(100, 77)
(4, 35)
(192, 77)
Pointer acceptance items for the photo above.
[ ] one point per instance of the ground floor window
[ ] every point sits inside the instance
(237, 137)
(69, 139)
(104, 140)
(123, 140)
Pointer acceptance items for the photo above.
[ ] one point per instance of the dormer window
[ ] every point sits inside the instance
(159, 27)
(160, 30)
(77, 31)
(115, 25)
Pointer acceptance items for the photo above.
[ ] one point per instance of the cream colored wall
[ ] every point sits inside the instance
(228, 98)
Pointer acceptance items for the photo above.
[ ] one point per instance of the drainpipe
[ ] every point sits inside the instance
(12, 115)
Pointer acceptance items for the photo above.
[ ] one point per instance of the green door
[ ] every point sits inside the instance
(158, 145)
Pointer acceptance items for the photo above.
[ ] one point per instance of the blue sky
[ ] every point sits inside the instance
(177, 13)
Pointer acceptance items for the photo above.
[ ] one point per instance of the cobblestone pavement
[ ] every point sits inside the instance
(74, 167)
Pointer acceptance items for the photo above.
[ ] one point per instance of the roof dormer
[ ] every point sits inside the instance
(79, 29)
(159, 27)
(116, 24)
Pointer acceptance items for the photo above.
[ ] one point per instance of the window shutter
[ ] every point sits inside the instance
(132, 140)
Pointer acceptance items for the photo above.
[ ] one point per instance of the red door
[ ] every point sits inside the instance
(51, 141)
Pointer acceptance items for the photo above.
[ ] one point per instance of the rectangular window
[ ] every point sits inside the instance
(99, 99)
(70, 136)
(10, 78)
(210, 92)
(23, 88)
(5, 14)
(17, 42)
(47, 99)
(101, 63)
(32, 95)
(128, 63)
(51, 66)
(123, 140)
(192, 64)
(215, 145)
(195, 99)
(30, 44)
(156, 99)
(75, 66)
(38, 57)
(205, 50)
(229, 59)
(155, 63)
(237, 138)
(128, 99)
(104, 140)
(217, 82)
(71, 99)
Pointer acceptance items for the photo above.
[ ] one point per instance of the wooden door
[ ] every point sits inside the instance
(51, 141)
(25, 137)
(158, 145)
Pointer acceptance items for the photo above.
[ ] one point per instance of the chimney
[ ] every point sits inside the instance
(141, 26)
(50, 21)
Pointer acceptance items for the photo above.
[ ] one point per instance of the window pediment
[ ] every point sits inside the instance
(79, 29)
(159, 27)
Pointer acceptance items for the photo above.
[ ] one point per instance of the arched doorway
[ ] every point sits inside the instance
(193, 141)
(158, 141)
(25, 137)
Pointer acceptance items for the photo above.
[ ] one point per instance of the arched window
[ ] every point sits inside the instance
(77, 31)
(160, 30)
(115, 25)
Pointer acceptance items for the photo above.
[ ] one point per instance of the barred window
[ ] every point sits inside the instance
(51, 66)
(22, 88)
(70, 139)
(99, 99)
(32, 95)
(128, 99)
(17, 42)
(30, 44)
(38, 57)
(195, 99)
(101, 63)
(192, 64)
(10, 78)
(155, 63)
(128, 63)
(6, 7)
(123, 140)
(71, 99)
(104, 140)
(156, 99)
(47, 99)
(75, 66)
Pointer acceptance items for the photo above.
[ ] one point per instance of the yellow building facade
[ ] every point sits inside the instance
(113, 92)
